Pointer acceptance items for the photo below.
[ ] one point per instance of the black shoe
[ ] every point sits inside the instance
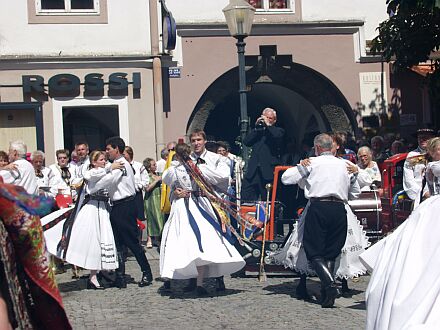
(301, 292)
(92, 286)
(220, 284)
(191, 286)
(201, 291)
(331, 292)
(146, 279)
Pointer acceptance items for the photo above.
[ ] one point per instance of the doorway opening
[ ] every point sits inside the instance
(92, 124)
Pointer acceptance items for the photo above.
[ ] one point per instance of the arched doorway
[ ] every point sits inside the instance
(306, 102)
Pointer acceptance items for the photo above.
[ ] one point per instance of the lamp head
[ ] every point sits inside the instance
(239, 16)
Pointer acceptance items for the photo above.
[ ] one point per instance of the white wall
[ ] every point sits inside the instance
(371, 11)
(127, 32)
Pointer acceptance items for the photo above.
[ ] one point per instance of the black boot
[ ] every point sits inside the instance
(220, 284)
(147, 278)
(301, 289)
(120, 273)
(346, 291)
(191, 286)
(327, 282)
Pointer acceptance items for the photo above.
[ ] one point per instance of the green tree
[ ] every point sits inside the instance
(410, 36)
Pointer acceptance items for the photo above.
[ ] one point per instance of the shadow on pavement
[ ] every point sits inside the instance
(359, 305)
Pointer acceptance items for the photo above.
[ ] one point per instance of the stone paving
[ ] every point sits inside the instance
(246, 304)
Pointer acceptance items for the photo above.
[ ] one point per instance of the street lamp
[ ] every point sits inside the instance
(239, 16)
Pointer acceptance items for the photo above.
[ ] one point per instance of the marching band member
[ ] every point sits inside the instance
(413, 171)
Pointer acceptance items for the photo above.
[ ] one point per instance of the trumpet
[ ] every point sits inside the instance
(419, 159)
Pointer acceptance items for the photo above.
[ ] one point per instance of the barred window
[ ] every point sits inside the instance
(57, 7)
(273, 5)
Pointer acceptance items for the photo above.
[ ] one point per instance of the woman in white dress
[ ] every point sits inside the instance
(193, 245)
(293, 255)
(404, 289)
(91, 244)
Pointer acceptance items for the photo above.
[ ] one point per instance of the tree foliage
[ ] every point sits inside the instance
(410, 36)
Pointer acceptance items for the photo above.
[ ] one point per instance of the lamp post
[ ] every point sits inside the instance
(239, 16)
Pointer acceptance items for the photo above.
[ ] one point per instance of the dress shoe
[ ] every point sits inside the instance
(301, 292)
(331, 292)
(201, 291)
(191, 286)
(220, 284)
(91, 285)
(146, 279)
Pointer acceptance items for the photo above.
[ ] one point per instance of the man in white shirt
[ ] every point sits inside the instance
(123, 214)
(22, 172)
(82, 152)
(160, 164)
(327, 184)
(414, 170)
(47, 180)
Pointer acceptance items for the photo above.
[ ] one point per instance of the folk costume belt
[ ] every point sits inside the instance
(123, 200)
(326, 199)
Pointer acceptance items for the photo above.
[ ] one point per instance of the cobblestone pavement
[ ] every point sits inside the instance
(247, 303)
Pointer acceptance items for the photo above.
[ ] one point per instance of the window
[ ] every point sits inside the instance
(66, 7)
(67, 12)
(273, 5)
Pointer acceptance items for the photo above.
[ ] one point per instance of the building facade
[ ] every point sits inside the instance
(75, 70)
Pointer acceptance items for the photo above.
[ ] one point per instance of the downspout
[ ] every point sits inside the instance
(157, 77)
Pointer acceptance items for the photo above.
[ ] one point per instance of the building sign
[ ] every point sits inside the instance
(67, 84)
(370, 87)
(174, 72)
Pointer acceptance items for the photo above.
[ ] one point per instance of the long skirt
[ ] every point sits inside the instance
(404, 289)
(191, 238)
(293, 256)
(153, 214)
(91, 245)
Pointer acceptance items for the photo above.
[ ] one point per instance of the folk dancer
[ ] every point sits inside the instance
(123, 215)
(413, 170)
(327, 186)
(293, 256)
(193, 244)
(404, 287)
(91, 244)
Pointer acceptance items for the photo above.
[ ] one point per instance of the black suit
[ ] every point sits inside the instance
(266, 144)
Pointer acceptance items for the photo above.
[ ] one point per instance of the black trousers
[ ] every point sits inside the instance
(325, 230)
(253, 189)
(125, 231)
(139, 200)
